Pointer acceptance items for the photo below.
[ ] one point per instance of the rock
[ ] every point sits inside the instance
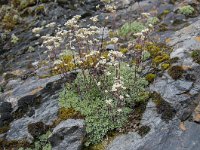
(43, 72)
(172, 138)
(5, 119)
(12, 84)
(5, 113)
(196, 114)
(111, 47)
(5, 107)
(124, 142)
(19, 130)
(184, 114)
(68, 135)
(29, 90)
(172, 91)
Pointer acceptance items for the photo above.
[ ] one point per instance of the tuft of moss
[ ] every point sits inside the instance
(165, 66)
(39, 9)
(66, 113)
(150, 77)
(196, 56)
(9, 22)
(10, 145)
(161, 58)
(164, 13)
(123, 50)
(176, 72)
(164, 108)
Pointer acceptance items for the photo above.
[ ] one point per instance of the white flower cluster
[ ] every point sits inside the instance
(37, 30)
(118, 85)
(73, 23)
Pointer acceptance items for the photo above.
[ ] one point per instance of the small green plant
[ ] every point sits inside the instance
(42, 143)
(130, 28)
(152, 20)
(186, 10)
(14, 39)
(107, 109)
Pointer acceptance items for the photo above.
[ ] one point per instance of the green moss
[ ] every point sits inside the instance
(164, 108)
(176, 72)
(39, 9)
(66, 113)
(187, 10)
(165, 66)
(161, 58)
(196, 56)
(123, 50)
(150, 77)
(9, 22)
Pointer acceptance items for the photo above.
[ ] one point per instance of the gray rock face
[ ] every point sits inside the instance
(171, 138)
(129, 141)
(68, 135)
(46, 113)
(19, 130)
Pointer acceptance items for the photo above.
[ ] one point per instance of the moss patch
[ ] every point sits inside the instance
(150, 77)
(164, 108)
(11, 145)
(176, 72)
(66, 113)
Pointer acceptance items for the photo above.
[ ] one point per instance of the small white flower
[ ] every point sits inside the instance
(119, 110)
(99, 83)
(150, 25)
(146, 14)
(94, 19)
(138, 34)
(108, 73)
(106, 91)
(114, 40)
(109, 101)
(121, 97)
